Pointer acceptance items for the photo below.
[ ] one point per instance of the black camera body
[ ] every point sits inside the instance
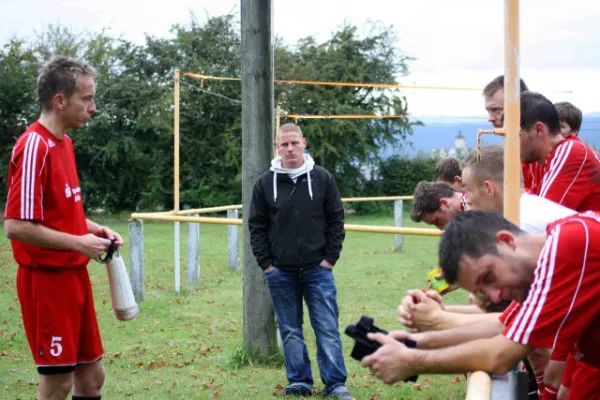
(363, 346)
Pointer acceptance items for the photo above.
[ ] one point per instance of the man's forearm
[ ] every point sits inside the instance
(450, 320)
(495, 355)
(464, 309)
(486, 325)
(38, 235)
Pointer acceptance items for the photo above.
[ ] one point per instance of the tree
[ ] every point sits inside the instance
(125, 153)
(210, 116)
(344, 146)
(18, 105)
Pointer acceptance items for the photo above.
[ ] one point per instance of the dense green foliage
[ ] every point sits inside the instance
(125, 153)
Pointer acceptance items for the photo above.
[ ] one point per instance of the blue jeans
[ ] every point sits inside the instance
(316, 285)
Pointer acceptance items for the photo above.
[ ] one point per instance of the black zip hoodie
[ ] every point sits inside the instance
(294, 231)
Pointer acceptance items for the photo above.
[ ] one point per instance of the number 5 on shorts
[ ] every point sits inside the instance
(55, 347)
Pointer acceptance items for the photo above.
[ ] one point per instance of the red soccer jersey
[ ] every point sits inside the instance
(576, 138)
(571, 177)
(526, 176)
(562, 307)
(530, 173)
(43, 186)
(509, 314)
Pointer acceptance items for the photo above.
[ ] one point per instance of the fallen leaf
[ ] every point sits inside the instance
(278, 390)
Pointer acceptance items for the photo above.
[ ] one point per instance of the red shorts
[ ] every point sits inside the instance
(58, 312)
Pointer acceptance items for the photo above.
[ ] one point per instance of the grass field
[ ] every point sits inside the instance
(183, 346)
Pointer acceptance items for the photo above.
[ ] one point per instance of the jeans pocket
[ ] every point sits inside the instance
(271, 271)
(275, 277)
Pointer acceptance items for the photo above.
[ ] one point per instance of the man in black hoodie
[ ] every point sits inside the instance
(296, 227)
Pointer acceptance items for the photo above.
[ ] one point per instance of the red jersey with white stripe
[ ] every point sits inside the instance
(562, 306)
(576, 138)
(531, 175)
(571, 177)
(43, 186)
(573, 137)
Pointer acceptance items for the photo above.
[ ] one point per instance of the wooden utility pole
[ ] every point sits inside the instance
(257, 152)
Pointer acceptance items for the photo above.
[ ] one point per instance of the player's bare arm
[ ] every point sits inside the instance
(104, 232)
(393, 361)
(554, 372)
(488, 326)
(36, 234)
(464, 309)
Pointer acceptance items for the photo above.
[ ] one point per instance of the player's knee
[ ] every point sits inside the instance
(90, 379)
(55, 387)
(97, 379)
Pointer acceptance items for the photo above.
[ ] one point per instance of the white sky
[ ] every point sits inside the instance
(456, 43)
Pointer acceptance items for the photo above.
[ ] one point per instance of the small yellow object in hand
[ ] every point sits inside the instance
(438, 284)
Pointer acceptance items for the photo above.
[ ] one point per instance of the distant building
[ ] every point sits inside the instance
(458, 151)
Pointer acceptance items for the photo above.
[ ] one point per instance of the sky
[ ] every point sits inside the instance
(455, 43)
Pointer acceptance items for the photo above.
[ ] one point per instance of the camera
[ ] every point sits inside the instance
(363, 346)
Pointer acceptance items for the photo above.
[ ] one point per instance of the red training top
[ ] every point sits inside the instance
(43, 186)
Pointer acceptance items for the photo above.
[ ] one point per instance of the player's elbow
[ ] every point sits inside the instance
(501, 367)
(10, 229)
(502, 363)
(13, 228)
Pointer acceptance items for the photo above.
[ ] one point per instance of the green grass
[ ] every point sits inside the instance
(188, 345)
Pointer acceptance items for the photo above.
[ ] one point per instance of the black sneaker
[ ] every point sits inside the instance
(297, 390)
(340, 393)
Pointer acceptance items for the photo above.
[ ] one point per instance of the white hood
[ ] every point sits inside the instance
(276, 167)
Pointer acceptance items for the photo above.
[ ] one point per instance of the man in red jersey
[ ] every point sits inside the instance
(570, 171)
(570, 118)
(552, 279)
(53, 241)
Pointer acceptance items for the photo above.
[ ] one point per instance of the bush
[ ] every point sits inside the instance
(396, 176)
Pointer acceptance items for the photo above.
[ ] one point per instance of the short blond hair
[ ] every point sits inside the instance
(290, 127)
